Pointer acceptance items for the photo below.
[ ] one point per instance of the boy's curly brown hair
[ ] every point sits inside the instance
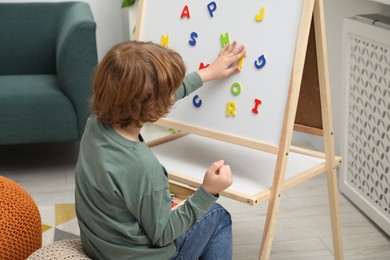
(135, 83)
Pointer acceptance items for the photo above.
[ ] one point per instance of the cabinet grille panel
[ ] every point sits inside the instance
(368, 126)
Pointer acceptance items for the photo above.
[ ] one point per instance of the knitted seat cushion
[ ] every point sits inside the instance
(20, 222)
(63, 249)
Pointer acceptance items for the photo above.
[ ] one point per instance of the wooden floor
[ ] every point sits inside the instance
(302, 229)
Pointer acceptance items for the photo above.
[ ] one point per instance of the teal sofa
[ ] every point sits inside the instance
(47, 59)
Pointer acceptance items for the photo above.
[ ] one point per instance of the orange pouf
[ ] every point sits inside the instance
(20, 222)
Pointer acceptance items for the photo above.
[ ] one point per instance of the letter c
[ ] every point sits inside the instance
(197, 101)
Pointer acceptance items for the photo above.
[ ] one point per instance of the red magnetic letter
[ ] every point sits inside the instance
(185, 12)
(202, 66)
(257, 104)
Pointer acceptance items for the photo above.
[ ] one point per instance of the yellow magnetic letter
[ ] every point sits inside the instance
(241, 61)
(260, 16)
(231, 108)
(164, 40)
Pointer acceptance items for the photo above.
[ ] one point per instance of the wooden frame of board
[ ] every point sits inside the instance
(309, 94)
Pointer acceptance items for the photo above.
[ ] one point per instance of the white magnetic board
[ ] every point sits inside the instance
(268, 29)
(253, 170)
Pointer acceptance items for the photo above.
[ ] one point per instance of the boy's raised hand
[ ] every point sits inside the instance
(218, 177)
(223, 65)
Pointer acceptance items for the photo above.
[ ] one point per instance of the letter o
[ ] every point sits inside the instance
(236, 88)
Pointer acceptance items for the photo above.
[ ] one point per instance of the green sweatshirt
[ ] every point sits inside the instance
(123, 202)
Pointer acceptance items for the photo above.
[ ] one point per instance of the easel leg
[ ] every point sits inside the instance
(326, 111)
(334, 214)
(269, 227)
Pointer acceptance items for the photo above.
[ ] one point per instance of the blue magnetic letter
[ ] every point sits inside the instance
(193, 37)
(197, 103)
(212, 6)
(260, 62)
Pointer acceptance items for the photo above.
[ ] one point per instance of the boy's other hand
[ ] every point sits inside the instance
(218, 177)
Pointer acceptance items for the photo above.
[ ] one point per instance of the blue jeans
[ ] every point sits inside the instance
(210, 237)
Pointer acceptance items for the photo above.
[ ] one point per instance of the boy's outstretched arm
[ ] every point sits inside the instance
(223, 65)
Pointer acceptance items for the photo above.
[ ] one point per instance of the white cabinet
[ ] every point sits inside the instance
(365, 176)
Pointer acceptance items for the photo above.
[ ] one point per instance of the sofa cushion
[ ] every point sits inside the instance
(34, 109)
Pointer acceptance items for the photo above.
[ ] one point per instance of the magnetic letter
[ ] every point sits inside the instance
(164, 40)
(241, 61)
(202, 66)
(260, 62)
(231, 108)
(196, 102)
(236, 88)
(225, 39)
(260, 16)
(212, 6)
(193, 37)
(257, 104)
(185, 12)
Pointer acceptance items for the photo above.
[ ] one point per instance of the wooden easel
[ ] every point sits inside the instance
(309, 94)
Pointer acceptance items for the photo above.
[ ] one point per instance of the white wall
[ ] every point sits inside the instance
(108, 17)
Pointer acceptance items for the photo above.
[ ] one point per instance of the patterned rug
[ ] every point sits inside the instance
(58, 222)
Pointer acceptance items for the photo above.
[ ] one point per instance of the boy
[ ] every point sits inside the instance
(123, 201)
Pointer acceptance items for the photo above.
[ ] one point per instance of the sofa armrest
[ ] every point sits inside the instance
(77, 58)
